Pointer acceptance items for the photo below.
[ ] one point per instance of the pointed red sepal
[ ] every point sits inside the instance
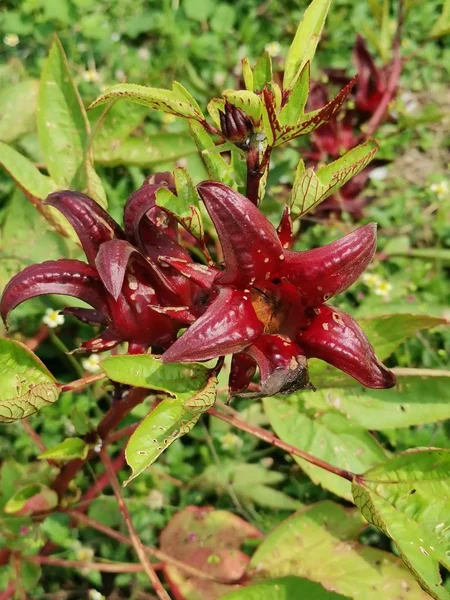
(370, 85)
(336, 338)
(66, 277)
(182, 314)
(92, 224)
(242, 370)
(324, 272)
(282, 365)
(251, 248)
(228, 326)
(286, 228)
(201, 275)
(105, 341)
(113, 262)
(85, 315)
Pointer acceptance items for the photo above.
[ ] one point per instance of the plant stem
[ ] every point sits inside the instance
(34, 436)
(270, 438)
(80, 384)
(60, 345)
(256, 171)
(135, 539)
(9, 592)
(149, 550)
(105, 567)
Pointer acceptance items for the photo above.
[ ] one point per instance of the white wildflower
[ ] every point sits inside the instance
(273, 49)
(231, 441)
(53, 318)
(155, 500)
(11, 40)
(441, 189)
(91, 363)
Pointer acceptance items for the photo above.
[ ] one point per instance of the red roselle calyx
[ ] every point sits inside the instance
(268, 304)
(132, 295)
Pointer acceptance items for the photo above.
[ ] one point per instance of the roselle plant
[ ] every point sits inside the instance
(201, 301)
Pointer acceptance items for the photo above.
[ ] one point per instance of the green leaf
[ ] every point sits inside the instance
(217, 167)
(435, 254)
(31, 499)
(248, 102)
(18, 109)
(146, 371)
(144, 152)
(387, 332)
(408, 498)
(416, 399)
(262, 73)
(67, 450)
(330, 437)
(286, 588)
(198, 10)
(185, 205)
(167, 422)
(442, 25)
(250, 483)
(312, 187)
(223, 19)
(26, 385)
(115, 125)
(306, 39)
(215, 107)
(63, 128)
(294, 109)
(319, 543)
(247, 74)
(185, 94)
(167, 101)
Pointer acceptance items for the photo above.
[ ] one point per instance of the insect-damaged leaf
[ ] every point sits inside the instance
(408, 498)
(26, 385)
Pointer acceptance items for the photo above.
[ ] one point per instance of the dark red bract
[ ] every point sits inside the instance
(268, 304)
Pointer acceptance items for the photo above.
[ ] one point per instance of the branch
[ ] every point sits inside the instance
(137, 544)
(105, 567)
(270, 438)
(80, 384)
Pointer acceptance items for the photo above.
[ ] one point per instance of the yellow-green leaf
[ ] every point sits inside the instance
(31, 499)
(248, 102)
(67, 450)
(26, 385)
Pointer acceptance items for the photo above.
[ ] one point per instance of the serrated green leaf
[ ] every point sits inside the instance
(248, 102)
(262, 72)
(26, 385)
(214, 108)
(63, 128)
(31, 499)
(330, 436)
(217, 167)
(184, 205)
(67, 450)
(167, 101)
(415, 400)
(167, 422)
(306, 39)
(294, 108)
(18, 109)
(408, 498)
(184, 94)
(148, 371)
(319, 543)
(247, 74)
(312, 187)
(286, 588)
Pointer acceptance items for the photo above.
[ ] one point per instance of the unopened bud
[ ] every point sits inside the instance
(236, 125)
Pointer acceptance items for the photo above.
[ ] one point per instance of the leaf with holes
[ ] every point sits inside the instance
(408, 498)
(306, 38)
(26, 385)
(167, 422)
(415, 400)
(312, 187)
(63, 128)
(210, 541)
(329, 436)
(167, 101)
(320, 544)
(67, 450)
(185, 205)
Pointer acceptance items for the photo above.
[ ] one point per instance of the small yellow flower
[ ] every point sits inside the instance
(441, 189)
(11, 40)
(53, 318)
(91, 363)
(273, 49)
(84, 554)
(230, 441)
(91, 76)
(371, 279)
(167, 118)
(383, 288)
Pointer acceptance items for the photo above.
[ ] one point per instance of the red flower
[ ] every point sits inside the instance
(268, 304)
(132, 294)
